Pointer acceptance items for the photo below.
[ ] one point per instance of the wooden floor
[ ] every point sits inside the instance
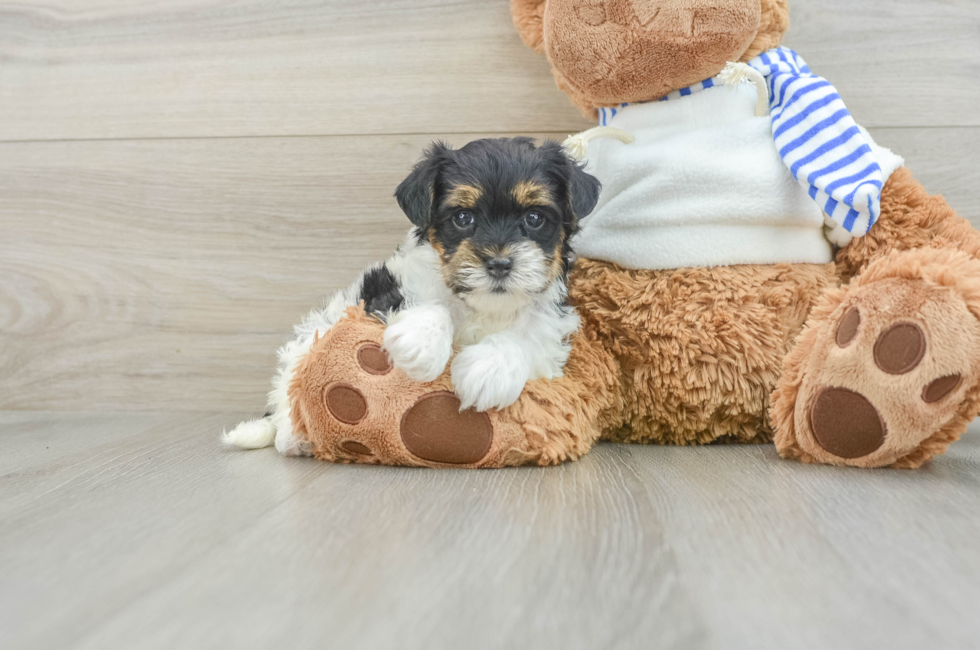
(139, 531)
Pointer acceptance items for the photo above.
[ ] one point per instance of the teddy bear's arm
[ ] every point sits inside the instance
(815, 134)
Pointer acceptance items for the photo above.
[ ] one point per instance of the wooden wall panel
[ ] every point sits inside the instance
(160, 233)
(895, 62)
(204, 68)
(164, 273)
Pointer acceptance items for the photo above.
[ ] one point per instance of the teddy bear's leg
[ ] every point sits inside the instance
(700, 349)
(350, 405)
(887, 370)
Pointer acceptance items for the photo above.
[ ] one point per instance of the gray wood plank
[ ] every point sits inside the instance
(175, 268)
(895, 62)
(86, 530)
(124, 69)
(157, 68)
(943, 160)
(165, 273)
(160, 539)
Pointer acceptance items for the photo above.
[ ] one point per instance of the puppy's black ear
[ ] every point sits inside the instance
(415, 194)
(583, 189)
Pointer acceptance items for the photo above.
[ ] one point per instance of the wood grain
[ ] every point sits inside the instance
(139, 531)
(895, 62)
(205, 68)
(165, 273)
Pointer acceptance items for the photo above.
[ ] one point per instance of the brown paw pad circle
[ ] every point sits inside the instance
(435, 430)
(848, 327)
(940, 388)
(373, 359)
(345, 403)
(900, 348)
(355, 447)
(846, 424)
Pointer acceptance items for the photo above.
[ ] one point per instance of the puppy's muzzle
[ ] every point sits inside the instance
(499, 268)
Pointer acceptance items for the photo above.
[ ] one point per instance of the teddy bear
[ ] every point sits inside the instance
(757, 270)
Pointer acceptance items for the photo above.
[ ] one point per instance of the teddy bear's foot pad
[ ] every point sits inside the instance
(352, 406)
(434, 429)
(843, 421)
(892, 367)
(846, 424)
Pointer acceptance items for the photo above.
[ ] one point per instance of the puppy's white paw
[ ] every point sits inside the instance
(420, 341)
(490, 374)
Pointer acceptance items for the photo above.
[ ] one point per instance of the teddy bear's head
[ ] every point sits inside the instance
(608, 52)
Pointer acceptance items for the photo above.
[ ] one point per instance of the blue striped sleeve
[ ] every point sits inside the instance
(819, 141)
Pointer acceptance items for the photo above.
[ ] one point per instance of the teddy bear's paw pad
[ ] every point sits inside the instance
(346, 403)
(373, 359)
(848, 327)
(900, 348)
(846, 424)
(940, 388)
(357, 448)
(435, 430)
(892, 368)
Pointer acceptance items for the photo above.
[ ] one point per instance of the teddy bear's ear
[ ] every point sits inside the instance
(416, 193)
(772, 27)
(528, 17)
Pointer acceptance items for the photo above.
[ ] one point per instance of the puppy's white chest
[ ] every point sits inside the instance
(481, 316)
(470, 331)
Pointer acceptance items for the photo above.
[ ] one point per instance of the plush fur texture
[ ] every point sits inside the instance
(604, 53)
(700, 349)
(773, 25)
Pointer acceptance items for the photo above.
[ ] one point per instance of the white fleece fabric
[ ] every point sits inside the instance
(702, 185)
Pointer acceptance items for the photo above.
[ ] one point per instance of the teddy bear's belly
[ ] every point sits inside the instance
(700, 350)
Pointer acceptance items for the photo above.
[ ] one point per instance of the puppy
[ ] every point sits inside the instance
(483, 270)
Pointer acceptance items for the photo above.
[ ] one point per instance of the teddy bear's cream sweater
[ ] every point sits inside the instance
(702, 185)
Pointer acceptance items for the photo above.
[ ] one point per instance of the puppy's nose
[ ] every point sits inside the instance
(499, 267)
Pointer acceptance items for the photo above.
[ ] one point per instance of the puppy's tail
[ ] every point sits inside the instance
(251, 434)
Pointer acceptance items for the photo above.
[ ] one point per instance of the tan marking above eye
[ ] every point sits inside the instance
(464, 196)
(528, 193)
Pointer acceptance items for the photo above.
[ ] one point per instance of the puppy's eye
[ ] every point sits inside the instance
(463, 219)
(533, 220)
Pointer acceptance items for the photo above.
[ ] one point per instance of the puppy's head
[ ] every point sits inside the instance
(499, 212)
